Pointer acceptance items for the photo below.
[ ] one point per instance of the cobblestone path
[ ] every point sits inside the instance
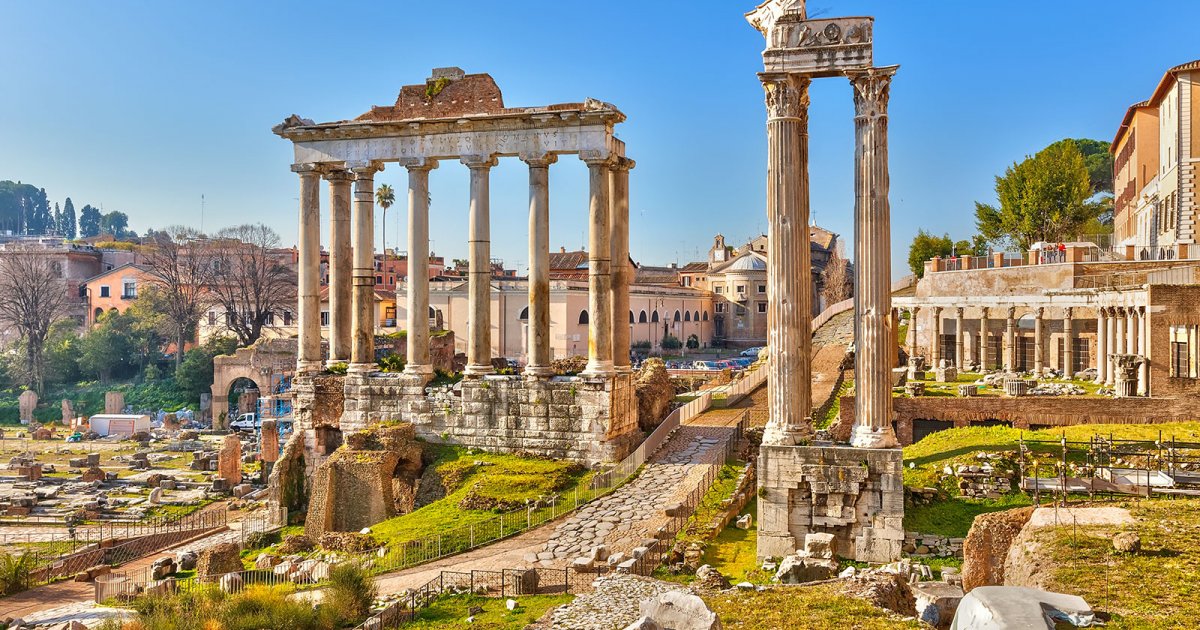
(614, 603)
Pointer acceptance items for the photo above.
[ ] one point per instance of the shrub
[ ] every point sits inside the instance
(351, 591)
(16, 572)
(338, 368)
(391, 363)
(671, 342)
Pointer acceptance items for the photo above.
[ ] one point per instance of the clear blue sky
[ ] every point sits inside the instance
(144, 106)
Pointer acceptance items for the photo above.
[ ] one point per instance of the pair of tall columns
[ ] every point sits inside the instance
(355, 306)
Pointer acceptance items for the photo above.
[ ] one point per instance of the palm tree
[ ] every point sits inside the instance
(384, 198)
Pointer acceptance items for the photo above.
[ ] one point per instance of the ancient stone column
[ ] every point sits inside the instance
(935, 340)
(1110, 371)
(1143, 388)
(1121, 345)
(362, 340)
(619, 203)
(309, 269)
(417, 296)
(538, 339)
(1131, 331)
(1101, 345)
(1068, 351)
(985, 345)
(1038, 364)
(600, 312)
(479, 268)
(912, 330)
(872, 263)
(789, 282)
(340, 265)
(1010, 341)
(959, 339)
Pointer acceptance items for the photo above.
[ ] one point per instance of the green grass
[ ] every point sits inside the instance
(507, 482)
(697, 528)
(452, 612)
(835, 408)
(1159, 587)
(817, 607)
(936, 389)
(954, 516)
(176, 511)
(734, 551)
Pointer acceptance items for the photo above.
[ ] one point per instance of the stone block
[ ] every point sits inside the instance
(818, 545)
(582, 565)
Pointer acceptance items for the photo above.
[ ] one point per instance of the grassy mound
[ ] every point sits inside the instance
(818, 607)
(1158, 587)
(452, 612)
(924, 461)
(479, 486)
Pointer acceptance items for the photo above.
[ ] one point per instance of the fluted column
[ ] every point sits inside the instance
(1038, 363)
(1122, 345)
(959, 339)
(362, 341)
(1144, 350)
(1010, 340)
(309, 272)
(985, 345)
(935, 338)
(789, 281)
(1110, 371)
(537, 364)
(1101, 345)
(873, 341)
(340, 265)
(600, 312)
(619, 203)
(1131, 331)
(417, 294)
(912, 330)
(1068, 341)
(479, 268)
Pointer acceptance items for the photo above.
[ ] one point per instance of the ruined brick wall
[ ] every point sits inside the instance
(1170, 305)
(1027, 412)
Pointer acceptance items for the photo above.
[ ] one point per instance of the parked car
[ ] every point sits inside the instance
(752, 352)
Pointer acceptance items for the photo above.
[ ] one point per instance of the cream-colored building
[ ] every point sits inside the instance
(1155, 159)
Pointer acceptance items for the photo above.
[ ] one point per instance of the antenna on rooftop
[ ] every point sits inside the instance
(201, 213)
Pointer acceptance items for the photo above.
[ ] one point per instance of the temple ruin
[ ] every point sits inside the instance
(461, 117)
(853, 492)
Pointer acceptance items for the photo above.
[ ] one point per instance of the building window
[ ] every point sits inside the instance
(687, 316)
(705, 315)
(129, 290)
(378, 279)
(718, 289)
(762, 288)
(583, 317)
(739, 310)
(104, 290)
(741, 288)
(762, 307)
(719, 307)
(212, 318)
(654, 317)
(1183, 351)
(642, 317)
(269, 320)
(324, 318)
(678, 316)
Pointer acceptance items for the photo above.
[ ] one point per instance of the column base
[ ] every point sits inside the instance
(624, 369)
(478, 371)
(418, 369)
(598, 369)
(535, 372)
(362, 368)
(332, 362)
(308, 367)
(865, 436)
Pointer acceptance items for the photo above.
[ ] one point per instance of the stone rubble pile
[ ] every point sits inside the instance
(932, 545)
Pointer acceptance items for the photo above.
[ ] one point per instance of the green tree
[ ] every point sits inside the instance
(62, 349)
(1099, 163)
(89, 221)
(115, 223)
(107, 350)
(384, 198)
(925, 246)
(195, 374)
(1042, 198)
(66, 221)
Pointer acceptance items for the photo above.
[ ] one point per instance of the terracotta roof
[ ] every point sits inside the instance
(694, 267)
(819, 236)
(140, 267)
(1163, 85)
(565, 261)
(646, 274)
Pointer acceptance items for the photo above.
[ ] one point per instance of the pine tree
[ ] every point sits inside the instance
(66, 223)
(89, 221)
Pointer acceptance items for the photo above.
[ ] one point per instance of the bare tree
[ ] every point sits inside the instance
(180, 269)
(35, 295)
(252, 281)
(838, 285)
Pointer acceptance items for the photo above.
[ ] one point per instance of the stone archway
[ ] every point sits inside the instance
(263, 363)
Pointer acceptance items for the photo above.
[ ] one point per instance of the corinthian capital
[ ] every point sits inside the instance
(871, 90)
(787, 95)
